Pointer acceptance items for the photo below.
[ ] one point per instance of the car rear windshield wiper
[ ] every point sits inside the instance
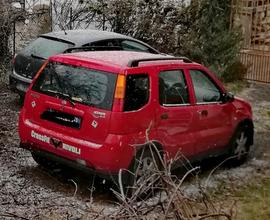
(38, 57)
(64, 96)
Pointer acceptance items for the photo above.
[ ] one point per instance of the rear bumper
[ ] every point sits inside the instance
(69, 163)
(108, 158)
(18, 84)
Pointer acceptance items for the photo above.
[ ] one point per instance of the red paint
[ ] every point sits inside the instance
(193, 129)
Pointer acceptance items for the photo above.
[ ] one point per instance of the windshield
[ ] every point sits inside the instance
(44, 47)
(78, 84)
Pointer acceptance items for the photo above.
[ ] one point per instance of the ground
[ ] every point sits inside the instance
(27, 191)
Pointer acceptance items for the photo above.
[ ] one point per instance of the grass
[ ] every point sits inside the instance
(237, 86)
(254, 201)
(268, 113)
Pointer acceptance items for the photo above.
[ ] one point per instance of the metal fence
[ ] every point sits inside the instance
(253, 16)
(258, 64)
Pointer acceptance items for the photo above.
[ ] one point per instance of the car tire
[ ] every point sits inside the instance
(141, 181)
(240, 146)
(21, 98)
(43, 162)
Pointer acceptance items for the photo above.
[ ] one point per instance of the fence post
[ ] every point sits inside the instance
(51, 14)
(14, 37)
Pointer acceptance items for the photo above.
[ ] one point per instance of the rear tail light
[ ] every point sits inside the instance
(38, 73)
(13, 60)
(119, 93)
(120, 87)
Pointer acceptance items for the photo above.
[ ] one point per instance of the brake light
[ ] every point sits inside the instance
(119, 94)
(39, 71)
(13, 60)
(120, 87)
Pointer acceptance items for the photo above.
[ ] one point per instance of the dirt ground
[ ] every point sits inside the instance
(29, 192)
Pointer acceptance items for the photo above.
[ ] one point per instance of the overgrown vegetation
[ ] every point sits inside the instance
(212, 42)
(200, 30)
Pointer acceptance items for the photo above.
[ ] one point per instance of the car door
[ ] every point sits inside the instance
(213, 117)
(175, 114)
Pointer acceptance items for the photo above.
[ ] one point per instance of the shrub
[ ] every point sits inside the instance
(235, 72)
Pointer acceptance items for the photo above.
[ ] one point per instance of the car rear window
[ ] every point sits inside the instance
(77, 84)
(45, 47)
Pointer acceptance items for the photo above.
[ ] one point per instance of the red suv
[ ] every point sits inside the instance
(98, 110)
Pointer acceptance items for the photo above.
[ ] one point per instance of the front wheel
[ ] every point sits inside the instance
(240, 145)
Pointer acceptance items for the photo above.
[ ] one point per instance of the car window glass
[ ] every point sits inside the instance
(44, 48)
(137, 92)
(104, 43)
(205, 89)
(172, 88)
(87, 86)
(133, 46)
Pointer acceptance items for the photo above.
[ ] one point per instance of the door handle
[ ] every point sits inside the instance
(203, 113)
(164, 116)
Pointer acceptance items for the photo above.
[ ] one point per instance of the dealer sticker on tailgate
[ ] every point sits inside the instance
(47, 139)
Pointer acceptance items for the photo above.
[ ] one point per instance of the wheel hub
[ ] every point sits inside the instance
(241, 142)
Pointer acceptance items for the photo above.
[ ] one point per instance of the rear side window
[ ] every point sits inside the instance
(44, 47)
(172, 88)
(137, 92)
(86, 86)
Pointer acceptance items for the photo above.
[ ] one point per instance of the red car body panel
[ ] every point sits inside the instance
(112, 144)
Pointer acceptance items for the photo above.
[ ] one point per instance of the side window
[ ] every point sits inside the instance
(205, 89)
(172, 88)
(137, 92)
(133, 46)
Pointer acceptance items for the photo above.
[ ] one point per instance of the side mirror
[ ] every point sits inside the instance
(227, 97)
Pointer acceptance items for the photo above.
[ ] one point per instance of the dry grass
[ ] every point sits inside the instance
(170, 202)
(254, 200)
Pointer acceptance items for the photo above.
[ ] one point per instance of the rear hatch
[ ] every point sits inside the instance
(71, 102)
(30, 59)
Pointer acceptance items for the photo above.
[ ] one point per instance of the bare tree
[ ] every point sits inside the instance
(8, 15)
(72, 14)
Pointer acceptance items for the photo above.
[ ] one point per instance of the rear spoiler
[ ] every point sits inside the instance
(92, 48)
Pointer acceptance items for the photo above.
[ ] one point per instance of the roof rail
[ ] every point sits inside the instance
(93, 48)
(135, 63)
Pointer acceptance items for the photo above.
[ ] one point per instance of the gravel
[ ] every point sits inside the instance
(27, 191)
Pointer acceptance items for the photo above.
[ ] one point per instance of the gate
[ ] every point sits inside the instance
(258, 65)
(253, 16)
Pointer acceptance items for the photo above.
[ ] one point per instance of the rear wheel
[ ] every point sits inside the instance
(21, 98)
(144, 173)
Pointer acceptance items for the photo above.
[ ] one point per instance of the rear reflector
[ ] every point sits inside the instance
(120, 87)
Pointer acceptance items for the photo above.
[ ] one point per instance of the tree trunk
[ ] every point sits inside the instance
(4, 36)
